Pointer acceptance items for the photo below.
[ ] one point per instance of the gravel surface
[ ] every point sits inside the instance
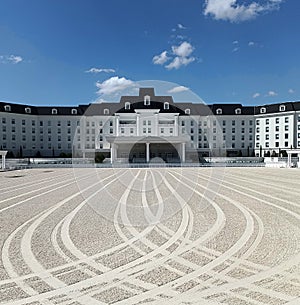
(150, 236)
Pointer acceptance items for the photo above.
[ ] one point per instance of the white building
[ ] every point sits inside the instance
(141, 128)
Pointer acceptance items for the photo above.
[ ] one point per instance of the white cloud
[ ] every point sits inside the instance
(185, 49)
(114, 85)
(178, 89)
(256, 95)
(235, 42)
(99, 70)
(178, 62)
(14, 59)
(180, 56)
(161, 59)
(181, 27)
(271, 93)
(235, 49)
(291, 91)
(231, 10)
(251, 43)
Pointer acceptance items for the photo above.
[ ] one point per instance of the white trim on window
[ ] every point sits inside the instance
(263, 110)
(127, 105)
(7, 108)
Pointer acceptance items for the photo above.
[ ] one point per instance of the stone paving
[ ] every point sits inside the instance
(150, 236)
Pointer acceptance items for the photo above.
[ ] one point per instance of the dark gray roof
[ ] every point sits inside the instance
(156, 102)
(274, 108)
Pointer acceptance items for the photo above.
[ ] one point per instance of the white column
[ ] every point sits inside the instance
(183, 152)
(138, 124)
(289, 160)
(117, 125)
(147, 152)
(156, 124)
(176, 126)
(112, 153)
(3, 161)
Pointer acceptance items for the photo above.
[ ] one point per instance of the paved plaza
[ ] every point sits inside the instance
(150, 236)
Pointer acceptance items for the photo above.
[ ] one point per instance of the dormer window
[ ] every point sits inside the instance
(166, 106)
(106, 111)
(219, 111)
(282, 108)
(54, 111)
(238, 111)
(147, 100)
(263, 110)
(127, 106)
(187, 111)
(27, 110)
(7, 108)
(74, 111)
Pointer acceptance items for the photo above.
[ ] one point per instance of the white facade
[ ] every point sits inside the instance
(154, 125)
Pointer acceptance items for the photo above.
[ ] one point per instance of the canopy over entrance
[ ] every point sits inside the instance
(148, 149)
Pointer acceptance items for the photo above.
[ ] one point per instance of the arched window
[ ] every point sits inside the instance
(219, 111)
(238, 111)
(187, 111)
(106, 111)
(166, 106)
(27, 110)
(263, 110)
(282, 108)
(127, 105)
(146, 100)
(7, 108)
(54, 111)
(74, 111)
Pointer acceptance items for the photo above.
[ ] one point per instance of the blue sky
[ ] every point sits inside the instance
(63, 52)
